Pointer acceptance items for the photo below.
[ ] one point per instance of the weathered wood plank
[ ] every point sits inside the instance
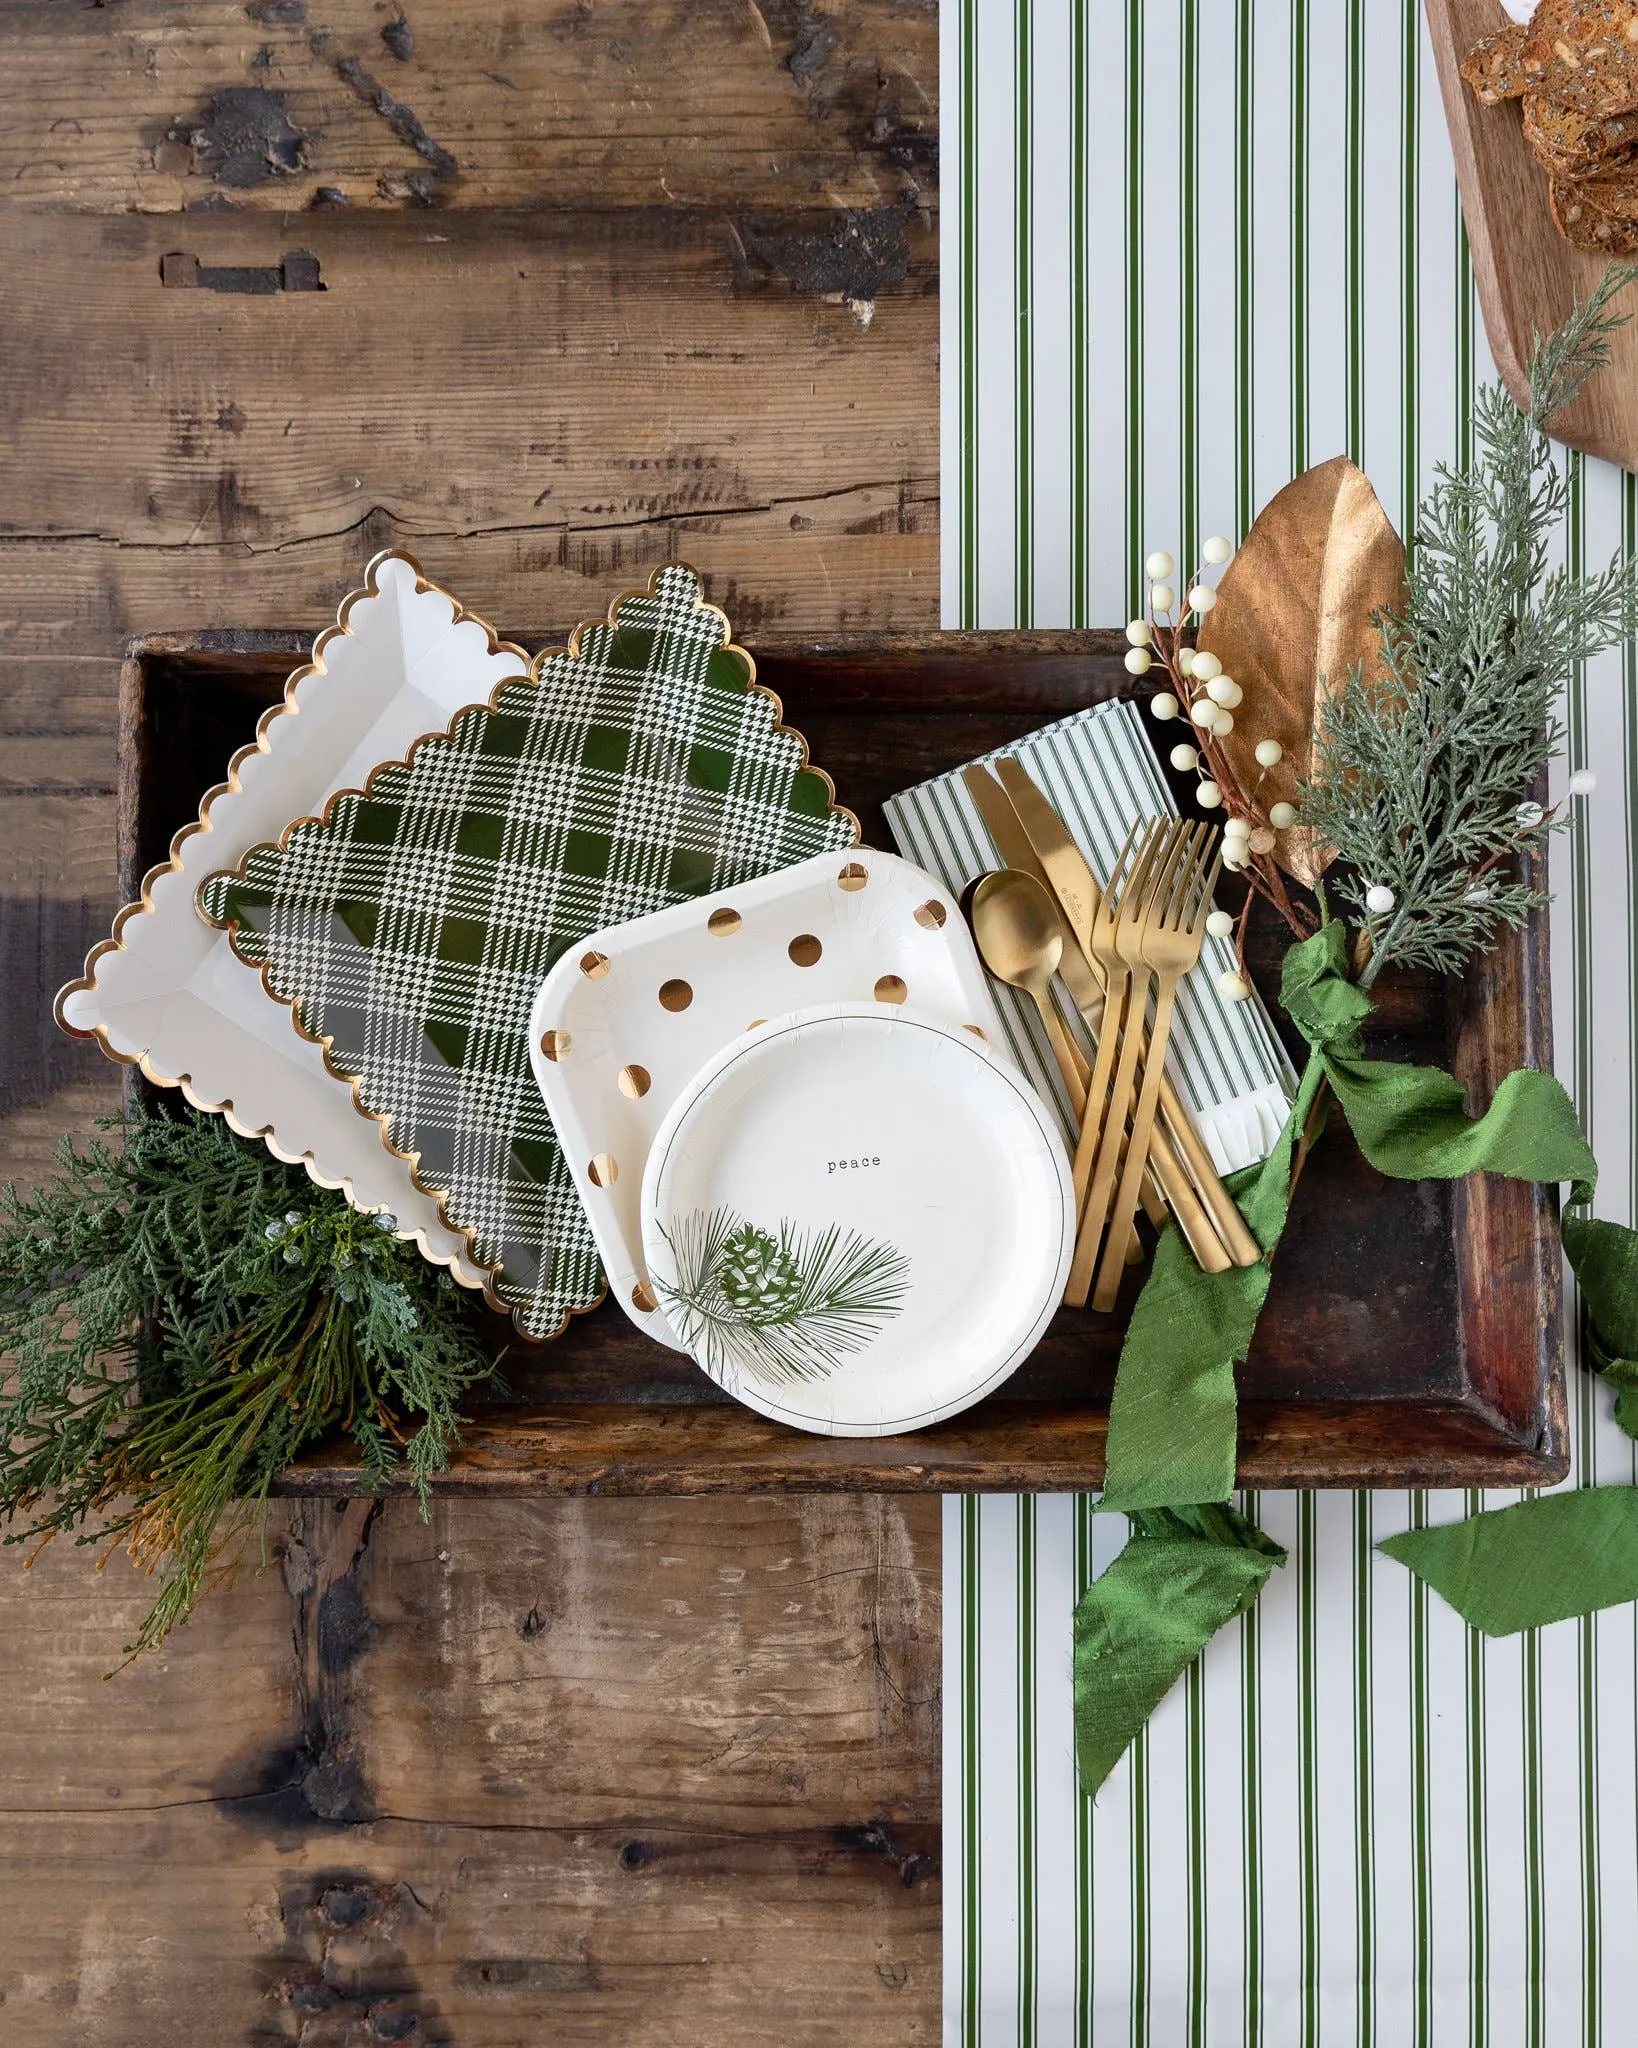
(534, 1777)
(792, 566)
(540, 411)
(281, 106)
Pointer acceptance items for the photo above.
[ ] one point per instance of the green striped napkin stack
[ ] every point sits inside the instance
(1098, 771)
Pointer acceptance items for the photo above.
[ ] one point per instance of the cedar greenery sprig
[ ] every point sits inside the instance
(1423, 782)
(181, 1314)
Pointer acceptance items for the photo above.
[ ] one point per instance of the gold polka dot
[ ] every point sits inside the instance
(634, 1081)
(756, 1023)
(594, 965)
(974, 1029)
(853, 876)
(604, 1170)
(931, 915)
(890, 989)
(555, 1044)
(642, 1299)
(723, 922)
(804, 949)
(675, 995)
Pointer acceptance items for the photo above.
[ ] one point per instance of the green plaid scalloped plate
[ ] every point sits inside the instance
(410, 926)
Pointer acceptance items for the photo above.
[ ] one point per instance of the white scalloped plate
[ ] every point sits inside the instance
(167, 993)
(860, 1218)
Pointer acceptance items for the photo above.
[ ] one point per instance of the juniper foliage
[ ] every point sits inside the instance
(180, 1313)
(1425, 780)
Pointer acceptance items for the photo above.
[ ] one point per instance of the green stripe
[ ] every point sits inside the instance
(1299, 236)
(1478, 1844)
(1188, 293)
(972, 1889)
(1534, 1904)
(1195, 1704)
(1027, 1789)
(1421, 1842)
(1139, 2032)
(1592, 2017)
(1080, 314)
(1251, 1807)
(1135, 282)
(1308, 1772)
(1364, 1790)
(1024, 302)
(1354, 95)
(967, 286)
(1085, 1921)
(1410, 251)
(1245, 270)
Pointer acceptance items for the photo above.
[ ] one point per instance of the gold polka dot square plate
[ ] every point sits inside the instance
(626, 1019)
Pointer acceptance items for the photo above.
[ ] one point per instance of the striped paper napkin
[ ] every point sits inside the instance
(1097, 770)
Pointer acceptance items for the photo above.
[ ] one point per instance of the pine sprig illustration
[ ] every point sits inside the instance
(785, 1307)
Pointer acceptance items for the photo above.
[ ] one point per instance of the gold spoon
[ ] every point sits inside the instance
(1020, 939)
(1021, 942)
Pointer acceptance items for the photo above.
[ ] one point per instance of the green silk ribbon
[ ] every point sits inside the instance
(1183, 1573)
(1172, 1419)
(1171, 1423)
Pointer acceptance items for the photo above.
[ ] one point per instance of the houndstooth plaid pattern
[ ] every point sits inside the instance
(413, 929)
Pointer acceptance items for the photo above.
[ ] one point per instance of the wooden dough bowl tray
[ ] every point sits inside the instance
(1413, 1334)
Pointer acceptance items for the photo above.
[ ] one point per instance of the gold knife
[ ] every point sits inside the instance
(1077, 890)
(1086, 992)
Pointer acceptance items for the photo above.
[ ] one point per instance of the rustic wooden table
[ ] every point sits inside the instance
(548, 294)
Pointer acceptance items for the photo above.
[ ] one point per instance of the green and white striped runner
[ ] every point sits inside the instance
(1191, 247)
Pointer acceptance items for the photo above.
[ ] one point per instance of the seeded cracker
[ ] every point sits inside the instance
(1572, 145)
(1574, 65)
(1584, 54)
(1586, 225)
(1495, 68)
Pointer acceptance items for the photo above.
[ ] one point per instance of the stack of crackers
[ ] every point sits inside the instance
(1574, 65)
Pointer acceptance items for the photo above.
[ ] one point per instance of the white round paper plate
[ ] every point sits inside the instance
(858, 1220)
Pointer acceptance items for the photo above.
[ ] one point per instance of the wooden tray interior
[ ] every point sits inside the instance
(1412, 1333)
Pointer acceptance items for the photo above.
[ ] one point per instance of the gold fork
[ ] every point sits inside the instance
(1130, 877)
(1168, 936)
(1118, 942)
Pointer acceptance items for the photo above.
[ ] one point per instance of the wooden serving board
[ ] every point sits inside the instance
(1413, 1333)
(1527, 274)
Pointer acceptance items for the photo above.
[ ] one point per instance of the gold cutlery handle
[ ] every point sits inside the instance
(1105, 1127)
(1193, 1220)
(1071, 1060)
(1232, 1227)
(1073, 1067)
(1137, 1149)
(1085, 984)
(1185, 1176)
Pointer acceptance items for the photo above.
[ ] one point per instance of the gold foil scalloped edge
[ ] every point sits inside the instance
(325, 1042)
(86, 980)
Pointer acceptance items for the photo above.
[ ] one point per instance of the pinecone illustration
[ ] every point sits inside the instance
(758, 1280)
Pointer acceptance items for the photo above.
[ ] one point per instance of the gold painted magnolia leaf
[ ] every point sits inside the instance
(1293, 615)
